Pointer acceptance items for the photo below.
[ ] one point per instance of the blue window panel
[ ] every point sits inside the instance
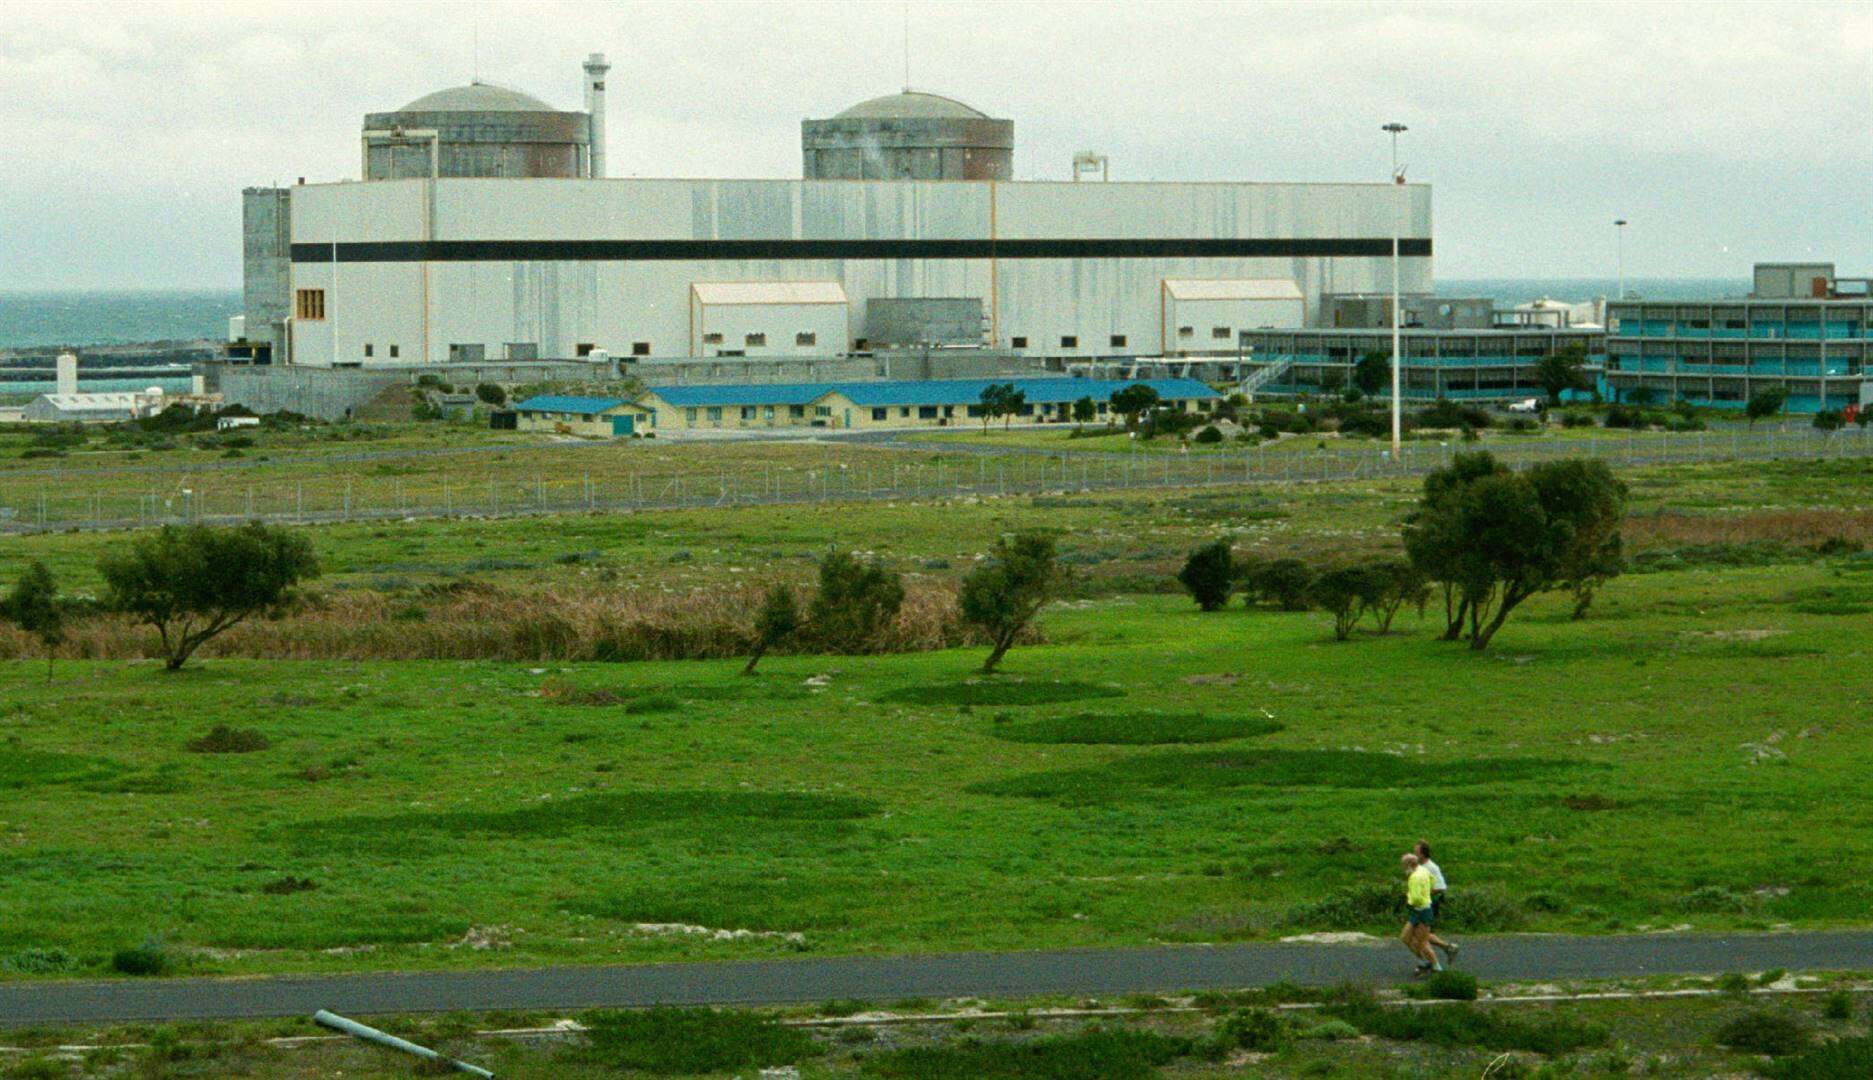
(1804, 331)
(1770, 330)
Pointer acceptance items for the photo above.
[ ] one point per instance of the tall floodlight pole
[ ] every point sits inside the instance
(1398, 180)
(1619, 255)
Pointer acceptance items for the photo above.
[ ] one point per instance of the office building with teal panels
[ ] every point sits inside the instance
(1802, 330)
(1460, 364)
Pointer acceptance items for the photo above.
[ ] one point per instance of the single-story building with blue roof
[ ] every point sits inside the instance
(932, 403)
(594, 417)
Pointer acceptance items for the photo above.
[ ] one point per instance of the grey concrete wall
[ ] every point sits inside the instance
(334, 393)
(266, 266)
(931, 320)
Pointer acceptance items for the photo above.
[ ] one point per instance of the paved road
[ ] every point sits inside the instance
(884, 979)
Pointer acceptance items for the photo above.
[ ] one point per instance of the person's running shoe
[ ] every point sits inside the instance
(1450, 951)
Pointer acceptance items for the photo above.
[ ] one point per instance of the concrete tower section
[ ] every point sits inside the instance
(908, 136)
(595, 69)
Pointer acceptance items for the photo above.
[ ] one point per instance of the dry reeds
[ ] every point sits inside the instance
(1806, 527)
(476, 621)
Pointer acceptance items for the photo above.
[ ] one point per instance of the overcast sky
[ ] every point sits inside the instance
(1726, 133)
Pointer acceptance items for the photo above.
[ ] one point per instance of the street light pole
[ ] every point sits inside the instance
(1398, 180)
(1619, 255)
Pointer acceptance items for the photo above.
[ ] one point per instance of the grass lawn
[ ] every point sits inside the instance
(1695, 753)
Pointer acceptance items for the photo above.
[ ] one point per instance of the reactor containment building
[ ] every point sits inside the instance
(484, 228)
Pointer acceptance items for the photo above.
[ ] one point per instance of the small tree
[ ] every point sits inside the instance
(1373, 373)
(35, 606)
(491, 394)
(1433, 533)
(1133, 401)
(1394, 584)
(193, 583)
(1209, 574)
(1002, 596)
(1085, 411)
(998, 399)
(776, 621)
(856, 601)
(1559, 372)
(1284, 583)
(1333, 380)
(1765, 403)
(1829, 420)
(1588, 504)
(1343, 593)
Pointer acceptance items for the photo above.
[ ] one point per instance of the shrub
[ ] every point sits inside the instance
(1003, 595)
(1259, 1030)
(1838, 1005)
(286, 886)
(490, 394)
(1451, 986)
(674, 1042)
(193, 583)
(776, 621)
(1445, 413)
(1765, 403)
(1575, 419)
(1208, 435)
(1842, 1059)
(35, 606)
(222, 739)
(1370, 423)
(1209, 575)
(1467, 1025)
(1342, 593)
(1829, 420)
(1762, 1031)
(1359, 905)
(1285, 583)
(1623, 416)
(40, 961)
(1329, 1030)
(149, 958)
(855, 601)
(1094, 1054)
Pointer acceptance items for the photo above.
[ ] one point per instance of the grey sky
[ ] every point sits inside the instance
(1726, 133)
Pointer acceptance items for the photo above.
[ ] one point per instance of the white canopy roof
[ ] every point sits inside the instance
(1232, 289)
(769, 292)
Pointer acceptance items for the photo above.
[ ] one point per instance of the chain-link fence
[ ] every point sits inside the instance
(887, 472)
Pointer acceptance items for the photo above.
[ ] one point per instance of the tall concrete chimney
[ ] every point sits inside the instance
(595, 68)
(68, 373)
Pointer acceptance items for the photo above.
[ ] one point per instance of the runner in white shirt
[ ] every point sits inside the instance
(1437, 897)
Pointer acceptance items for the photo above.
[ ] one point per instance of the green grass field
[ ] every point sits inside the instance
(1693, 754)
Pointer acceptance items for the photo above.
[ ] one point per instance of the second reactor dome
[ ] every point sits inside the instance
(908, 136)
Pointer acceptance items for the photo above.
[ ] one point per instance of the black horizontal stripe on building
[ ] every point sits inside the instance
(384, 251)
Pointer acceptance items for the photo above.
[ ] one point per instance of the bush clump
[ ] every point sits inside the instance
(1763, 1031)
(1095, 1054)
(149, 958)
(1282, 583)
(1468, 1025)
(1260, 1030)
(1450, 986)
(681, 1042)
(222, 739)
(1841, 1059)
(1209, 575)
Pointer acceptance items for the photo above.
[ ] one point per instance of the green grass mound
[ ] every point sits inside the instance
(717, 817)
(1134, 728)
(1763, 1031)
(688, 1042)
(1097, 1054)
(31, 768)
(1216, 770)
(999, 692)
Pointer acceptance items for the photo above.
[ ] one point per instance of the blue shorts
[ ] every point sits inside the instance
(1423, 916)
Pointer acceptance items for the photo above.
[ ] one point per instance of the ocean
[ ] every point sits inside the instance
(123, 317)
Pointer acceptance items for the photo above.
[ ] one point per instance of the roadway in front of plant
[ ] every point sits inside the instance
(881, 979)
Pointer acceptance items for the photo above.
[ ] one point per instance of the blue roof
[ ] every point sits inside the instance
(929, 392)
(569, 404)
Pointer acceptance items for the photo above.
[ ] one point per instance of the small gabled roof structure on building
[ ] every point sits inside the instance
(569, 403)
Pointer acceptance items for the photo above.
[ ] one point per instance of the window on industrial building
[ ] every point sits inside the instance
(926, 412)
(640, 348)
(367, 348)
(880, 414)
(1221, 333)
(755, 340)
(584, 348)
(1018, 343)
(1068, 341)
(393, 351)
(806, 339)
(1186, 331)
(310, 304)
(471, 354)
(1118, 341)
(712, 339)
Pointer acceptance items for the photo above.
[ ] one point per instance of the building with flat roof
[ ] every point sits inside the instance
(484, 229)
(895, 404)
(1472, 365)
(1804, 331)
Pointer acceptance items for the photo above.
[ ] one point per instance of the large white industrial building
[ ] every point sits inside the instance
(487, 231)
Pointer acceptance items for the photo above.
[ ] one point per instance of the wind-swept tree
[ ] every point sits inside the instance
(195, 582)
(1133, 401)
(1373, 373)
(34, 605)
(1765, 403)
(777, 620)
(856, 601)
(1002, 596)
(1561, 371)
(998, 400)
(1209, 575)
(1433, 537)
(1085, 411)
(1587, 500)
